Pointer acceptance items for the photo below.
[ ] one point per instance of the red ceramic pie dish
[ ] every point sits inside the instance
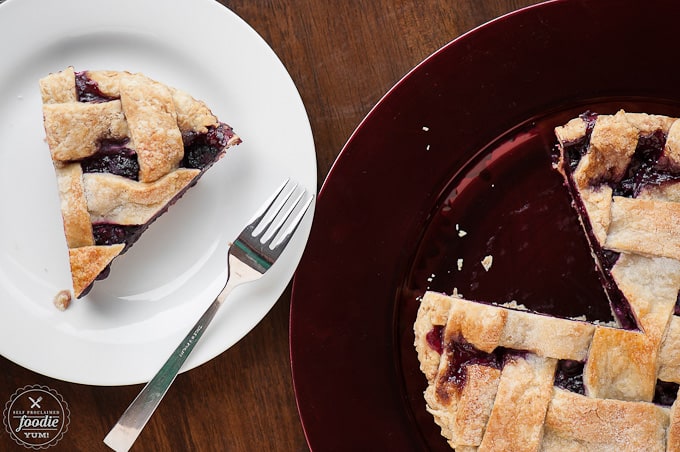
(502, 86)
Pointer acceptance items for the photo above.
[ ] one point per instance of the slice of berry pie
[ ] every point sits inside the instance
(502, 378)
(124, 148)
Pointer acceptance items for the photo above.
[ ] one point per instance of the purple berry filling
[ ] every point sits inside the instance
(647, 167)
(569, 376)
(574, 151)
(461, 354)
(88, 90)
(112, 234)
(201, 150)
(435, 339)
(115, 158)
(665, 393)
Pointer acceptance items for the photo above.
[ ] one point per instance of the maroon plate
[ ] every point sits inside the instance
(462, 142)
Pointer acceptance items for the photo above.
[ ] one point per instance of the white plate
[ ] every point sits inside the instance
(129, 323)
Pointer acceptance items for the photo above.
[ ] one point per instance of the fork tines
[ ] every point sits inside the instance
(274, 224)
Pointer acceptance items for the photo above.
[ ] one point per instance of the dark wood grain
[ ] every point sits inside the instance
(343, 57)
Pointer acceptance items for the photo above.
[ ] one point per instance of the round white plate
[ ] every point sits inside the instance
(125, 328)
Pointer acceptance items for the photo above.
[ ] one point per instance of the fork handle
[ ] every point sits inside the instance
(129, 426)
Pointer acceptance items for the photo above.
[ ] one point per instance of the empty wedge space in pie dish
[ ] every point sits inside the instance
(504, 377)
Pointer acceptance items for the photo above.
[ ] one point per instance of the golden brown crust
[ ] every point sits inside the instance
(118, 200)
(138, 113)
(597, 202)
(108, 82)
(645, 226)
(479, 324)
(672, 148)
(603, 425)
(622, 368)
(651, 285)
(59, 88)
(489, 326)
(87, 262)
(621, 365)
(524, 392)
(572, 131)
(612, 144)
(647, 124)
(191, 113)
(475, 404)
(74, 129)
(669, 191)
(673, 442)
(77, 224)
(152, 120)
(669, 354)
(545, 336)
(432, 312)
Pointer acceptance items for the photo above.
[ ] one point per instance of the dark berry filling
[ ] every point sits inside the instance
(112, 234)
(435, 339)
(569, 376)
(574, 151)
(462, 354)
(202, 150)
(646, 167)
(113, 157)
(665, 393)
(88, 90)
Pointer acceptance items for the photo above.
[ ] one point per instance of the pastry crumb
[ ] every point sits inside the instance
(63, 300)
(426, 129)
(487, 262)
(460, 264)
(514, 305)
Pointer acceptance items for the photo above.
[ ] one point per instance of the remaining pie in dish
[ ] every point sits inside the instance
(124, 148)
(504, 378)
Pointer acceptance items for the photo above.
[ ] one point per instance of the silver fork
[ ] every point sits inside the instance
(255, 250)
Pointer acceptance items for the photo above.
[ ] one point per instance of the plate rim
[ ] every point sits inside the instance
(269, 290)
(310, 399)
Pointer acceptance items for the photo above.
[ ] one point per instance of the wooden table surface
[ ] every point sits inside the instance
(343, 57)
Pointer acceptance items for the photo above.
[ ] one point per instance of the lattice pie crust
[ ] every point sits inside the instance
(495, 374)
(124, 148)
